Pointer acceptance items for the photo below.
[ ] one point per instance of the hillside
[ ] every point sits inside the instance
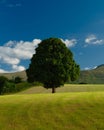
(94, 76)
(65, 89)
(21, 74)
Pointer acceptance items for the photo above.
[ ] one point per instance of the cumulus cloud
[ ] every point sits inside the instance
(17, 68)
(92, 39)
(21, 49)
(69, 43)
(10, 60)
(13, 52)
(7, 56)
(3, 71)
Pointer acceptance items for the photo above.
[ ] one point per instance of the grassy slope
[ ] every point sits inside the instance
(21, 74)
(69, 111)
(95, 76)
(66, 88)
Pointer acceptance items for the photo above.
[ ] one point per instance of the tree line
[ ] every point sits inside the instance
(12, 85)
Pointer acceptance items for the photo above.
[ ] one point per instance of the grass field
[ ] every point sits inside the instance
(66, 88)
(60, 111)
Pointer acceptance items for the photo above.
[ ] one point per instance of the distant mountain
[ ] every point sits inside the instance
(94, 76)
(21, 74)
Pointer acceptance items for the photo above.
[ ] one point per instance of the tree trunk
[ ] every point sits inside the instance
(53, 90)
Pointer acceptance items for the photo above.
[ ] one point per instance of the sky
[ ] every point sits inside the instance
(25, 23)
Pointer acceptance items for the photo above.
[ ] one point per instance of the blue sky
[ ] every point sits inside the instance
(24, 23)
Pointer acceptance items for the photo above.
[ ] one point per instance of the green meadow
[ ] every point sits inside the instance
(66, 88)
(75, 108)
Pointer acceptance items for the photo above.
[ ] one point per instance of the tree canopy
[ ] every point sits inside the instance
(52, 64)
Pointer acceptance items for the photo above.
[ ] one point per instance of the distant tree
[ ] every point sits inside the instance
(3, 80)
(9, 87)
(53, 64)
(17, 79)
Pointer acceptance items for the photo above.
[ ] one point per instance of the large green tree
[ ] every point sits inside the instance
(52, 64)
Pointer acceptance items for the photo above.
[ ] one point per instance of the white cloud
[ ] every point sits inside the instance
(87, 68)
(10, 44)
(99, 42)
(15, 68)
(7, 56)
(10, 60)
(18, 68)
(92, 39)
(24, 50)
(21, 49)
(13, 52)
(3, 71)
(90, 68)
(69, 43)
(94, 67)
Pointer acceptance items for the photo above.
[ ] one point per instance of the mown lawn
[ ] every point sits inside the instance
(60, 111)
(66, 88)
